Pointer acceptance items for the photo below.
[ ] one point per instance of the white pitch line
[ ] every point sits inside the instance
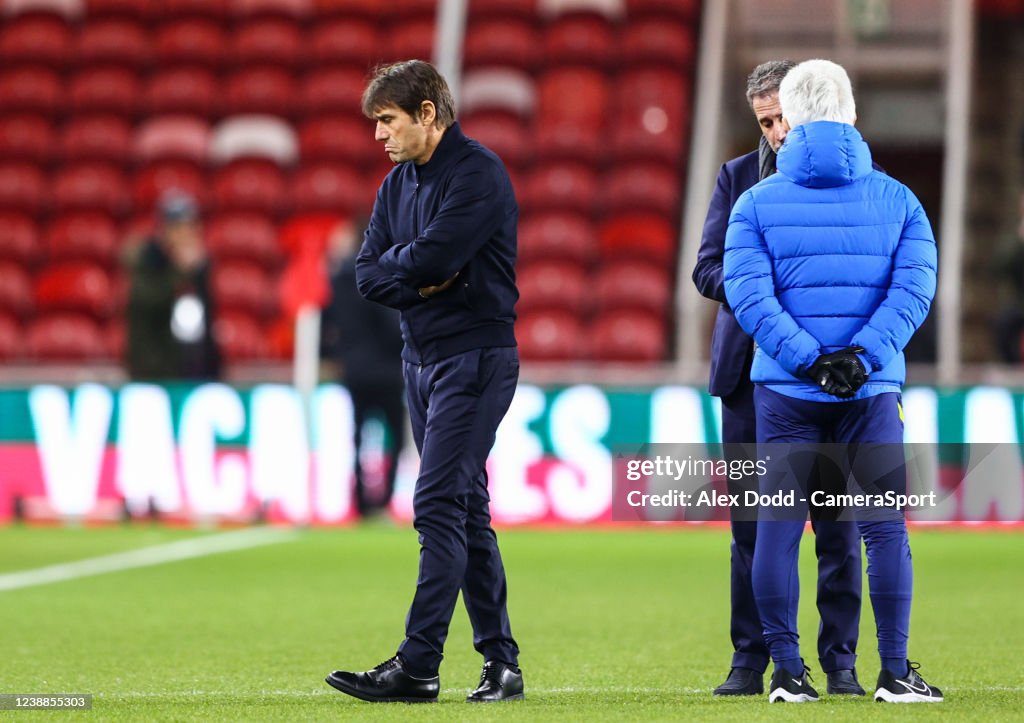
(147, 556)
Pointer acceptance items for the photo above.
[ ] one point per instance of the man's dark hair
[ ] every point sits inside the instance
(766, 78)
(406, 85)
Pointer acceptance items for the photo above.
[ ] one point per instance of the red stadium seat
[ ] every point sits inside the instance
(239, 336)
(551, 336)
(507, 90)
(566, 186)
(19, 237)
(74, 287)
(502, 42)
(254, 136)
(135, 9)
(416, 8)
(199, 41)
(633, 285)
(65, 337)
(105, 90)
(187, 90)
(641, 187)
(335, 138)
(23, 187)
(31, 90)
(268, 40)
(157, 179)
(628, 336)
(263, 89)
(557, 235)
(26, 138)
(331, 187)
(333, 90)
(12, 338)
(553, 285)
(686, 10)
(502, 9)
(505, 135)
(410, 39)
(243, 286)
(172, 136)
(638, 236)
(35, 39)
(246, 236)
(115, 338)
(248, 9)
(303, 233)
(348, 40)
(580, 40)
(114, 40)
(96, 138)
(587, 143)
(652, 118)
(575, 95)
(249, 185)
(362, 9)
(91, 186)
(177, 9)
(15, 290)
(657, 41)
(82, 236)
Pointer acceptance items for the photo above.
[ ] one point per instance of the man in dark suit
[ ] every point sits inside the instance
(839, 562)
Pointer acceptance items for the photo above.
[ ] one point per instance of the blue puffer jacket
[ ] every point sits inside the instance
(825, 254)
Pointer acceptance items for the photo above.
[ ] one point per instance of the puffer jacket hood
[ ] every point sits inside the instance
(824, 154)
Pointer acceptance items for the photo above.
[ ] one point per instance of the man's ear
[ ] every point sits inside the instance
(428, 113)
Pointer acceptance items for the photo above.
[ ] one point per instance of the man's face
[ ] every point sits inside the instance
(404, 137)
(769, 118)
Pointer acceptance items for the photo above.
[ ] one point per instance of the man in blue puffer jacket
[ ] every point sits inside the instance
(830, 266)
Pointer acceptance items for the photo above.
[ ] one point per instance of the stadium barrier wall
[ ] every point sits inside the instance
(216, 453)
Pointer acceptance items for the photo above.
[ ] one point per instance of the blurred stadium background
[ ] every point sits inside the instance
(613, 117)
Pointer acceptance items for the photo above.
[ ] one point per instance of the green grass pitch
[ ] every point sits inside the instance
(628, 624)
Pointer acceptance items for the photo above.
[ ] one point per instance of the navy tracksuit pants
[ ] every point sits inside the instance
(839, 568)
(455, 406)
(874, 421)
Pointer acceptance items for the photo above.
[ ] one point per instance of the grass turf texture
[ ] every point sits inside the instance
(615, 624)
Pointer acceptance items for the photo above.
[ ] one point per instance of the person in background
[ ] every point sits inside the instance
(732, 351)
(364, 343)
(170, 311)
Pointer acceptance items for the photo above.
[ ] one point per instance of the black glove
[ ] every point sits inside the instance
(839, 373)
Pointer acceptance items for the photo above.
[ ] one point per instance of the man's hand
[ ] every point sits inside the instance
(427, 291)
(840, 373)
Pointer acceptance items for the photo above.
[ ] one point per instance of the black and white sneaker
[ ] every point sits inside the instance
(787, 688)
(909, 689)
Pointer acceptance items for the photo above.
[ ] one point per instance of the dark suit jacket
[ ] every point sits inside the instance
(731, 348)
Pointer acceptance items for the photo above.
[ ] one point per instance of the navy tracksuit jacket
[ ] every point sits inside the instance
(456, 213)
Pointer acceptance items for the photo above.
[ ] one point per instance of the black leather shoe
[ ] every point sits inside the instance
(387, 683)
(844, 682)
(498, 682)
(742, 681)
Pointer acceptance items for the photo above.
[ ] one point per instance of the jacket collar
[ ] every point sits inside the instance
(446, 151)
(824, 154)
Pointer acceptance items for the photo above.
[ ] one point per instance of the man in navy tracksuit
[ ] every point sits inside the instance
(839, 580)
(830, 266)
(441, 248)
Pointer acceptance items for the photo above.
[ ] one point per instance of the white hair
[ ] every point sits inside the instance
(817, 90)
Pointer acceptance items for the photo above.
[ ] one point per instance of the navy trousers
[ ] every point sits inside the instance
(839, 576)
(875, 421)
(455, 406)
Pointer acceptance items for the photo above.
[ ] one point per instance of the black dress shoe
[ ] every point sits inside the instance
(742, 681)
(844, 682)
(498, 682)
(387, 683)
